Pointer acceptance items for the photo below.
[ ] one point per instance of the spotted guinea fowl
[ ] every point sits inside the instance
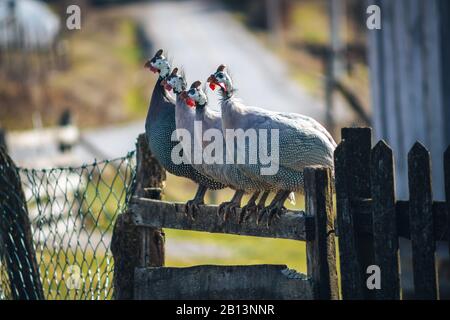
(159, 126)
(302, 141)
(191, 107)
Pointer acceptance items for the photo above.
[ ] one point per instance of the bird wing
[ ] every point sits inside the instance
(301, 142)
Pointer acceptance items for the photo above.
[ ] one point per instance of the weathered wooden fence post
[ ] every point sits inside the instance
(352, 166)
(135, 246)
(447, 191)
(321, 252)
(422, 223)
(15, 235)
(351, 282)
(384, 222)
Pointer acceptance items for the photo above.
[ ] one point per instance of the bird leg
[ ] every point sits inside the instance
(249, 207)
(262, 201)
(230, 207)
(191, 207)
(275, 208)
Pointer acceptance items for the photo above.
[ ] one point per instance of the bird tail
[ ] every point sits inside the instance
(291, 198)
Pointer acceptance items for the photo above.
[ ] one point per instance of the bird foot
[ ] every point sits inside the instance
(191, 208)
(272, 211)
(249, 210)
(227, 208)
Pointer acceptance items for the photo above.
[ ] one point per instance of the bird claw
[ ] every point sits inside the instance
(272, 211)
(227, 208)
(247, 211)
(191, 208)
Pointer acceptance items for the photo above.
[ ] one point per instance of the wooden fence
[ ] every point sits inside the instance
(369, 222)
(138, 246)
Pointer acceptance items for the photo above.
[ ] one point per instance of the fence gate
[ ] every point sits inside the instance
(370, 221)
(138, 246)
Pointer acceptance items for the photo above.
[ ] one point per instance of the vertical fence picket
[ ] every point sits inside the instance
(358, 146)
(421, 223)
(447, 190)
(351, 281)
(386, 254)
(321, 252)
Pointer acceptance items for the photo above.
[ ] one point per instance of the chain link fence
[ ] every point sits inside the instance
(71, 213)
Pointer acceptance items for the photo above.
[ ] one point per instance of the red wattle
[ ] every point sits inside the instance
(212, 86)
(190, 102)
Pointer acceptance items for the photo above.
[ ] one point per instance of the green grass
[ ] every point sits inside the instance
(95, 272)
(129, 50)
(236, 250)
(309, 23)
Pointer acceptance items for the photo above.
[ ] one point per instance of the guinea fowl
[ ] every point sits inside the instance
(213, 166)
(302, 141)
(159, 126)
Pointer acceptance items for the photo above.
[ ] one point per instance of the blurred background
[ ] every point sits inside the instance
(68, 97)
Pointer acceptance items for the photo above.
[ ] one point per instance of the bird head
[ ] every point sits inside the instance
(175, 82)
(159, 64)
(221, 79)
(196, 97)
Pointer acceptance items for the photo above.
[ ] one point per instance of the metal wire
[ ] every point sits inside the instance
(72, 213)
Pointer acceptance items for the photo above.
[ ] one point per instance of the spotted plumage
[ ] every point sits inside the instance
(160, 125)
(302, 141)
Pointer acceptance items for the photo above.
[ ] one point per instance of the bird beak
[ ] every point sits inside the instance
(213, 83)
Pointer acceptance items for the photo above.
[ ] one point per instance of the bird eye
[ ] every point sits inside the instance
(219, 76)
(191, 92)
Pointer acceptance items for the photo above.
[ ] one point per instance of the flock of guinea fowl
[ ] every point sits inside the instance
(302, 142)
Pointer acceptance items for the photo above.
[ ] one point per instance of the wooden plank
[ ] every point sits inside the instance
(358, 147)
(421, 223)
(447, 190)
(386, 253)
(221, 283)
(363, 222)
(149, 174)
(321, 252)
(351, 281)
(162, 214)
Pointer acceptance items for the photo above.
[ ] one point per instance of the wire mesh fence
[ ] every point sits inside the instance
(72, 213)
